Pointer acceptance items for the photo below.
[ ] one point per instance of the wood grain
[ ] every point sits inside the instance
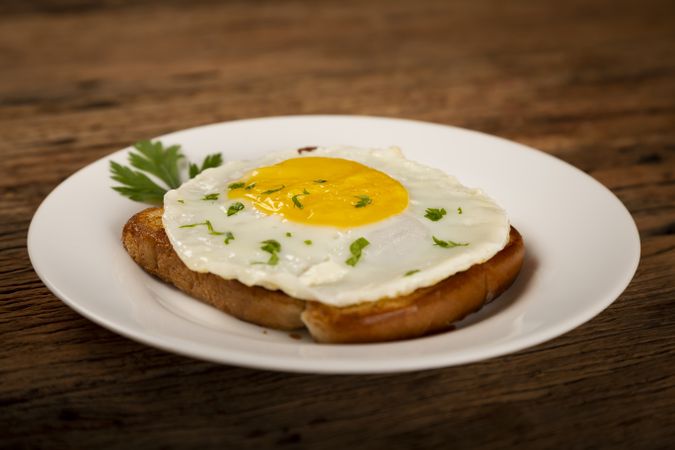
(591, 82)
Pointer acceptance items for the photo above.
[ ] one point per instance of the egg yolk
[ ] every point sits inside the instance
(322, 191)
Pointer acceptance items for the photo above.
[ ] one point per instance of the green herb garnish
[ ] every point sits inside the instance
(459, 210)
(213, 196)
(355, 249)
(364, 200)
(192, 225)
(289, 234)
(162, 162)
(137, 185)
(273, 248)
(234, 208)
(448, 244)
(154, 159)
(411, 272)
(208, 226)
(296, 202)
(272, 191)
(320, 181)
(228, 237)
(434, 214)
(211, 230)
(213, 160)
(308, 242)
(181, 201)
(237, 185)
(250, 186)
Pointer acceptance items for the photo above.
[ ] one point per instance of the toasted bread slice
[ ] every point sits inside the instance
(424, 311)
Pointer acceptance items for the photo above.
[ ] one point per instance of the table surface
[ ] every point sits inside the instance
(591, 82)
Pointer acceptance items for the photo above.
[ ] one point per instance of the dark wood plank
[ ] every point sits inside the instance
(592, 82)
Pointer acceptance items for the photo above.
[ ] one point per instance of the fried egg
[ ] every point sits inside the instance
(338, 225)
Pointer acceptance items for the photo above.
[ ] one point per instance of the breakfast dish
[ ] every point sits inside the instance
(580, 254)
(357, 245)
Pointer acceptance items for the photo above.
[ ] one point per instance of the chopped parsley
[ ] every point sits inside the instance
(296, 202)
(355, 249)
(213, 196)
(238, 185)
(181, 201)
(272, 191)
(250, 186)
(192, 225)
(289, 234)
(273, 248)
(364, 201)
(448, 244)
(211, 230)
(320, 181)
(459, 210)
(208, 226)
(411, 272)
(435, 214)
(228, 237)
(308, 242)
(234, 208)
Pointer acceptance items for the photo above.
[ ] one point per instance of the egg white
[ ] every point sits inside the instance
(398, 244)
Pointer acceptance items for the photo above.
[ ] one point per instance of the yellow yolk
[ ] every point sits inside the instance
(322, 191)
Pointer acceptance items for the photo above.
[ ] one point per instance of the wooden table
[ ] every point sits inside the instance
(591, 82)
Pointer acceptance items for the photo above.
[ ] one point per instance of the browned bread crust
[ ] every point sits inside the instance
(147, 243)
(424, 311)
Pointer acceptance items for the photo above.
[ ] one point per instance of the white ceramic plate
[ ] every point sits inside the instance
(582, 250)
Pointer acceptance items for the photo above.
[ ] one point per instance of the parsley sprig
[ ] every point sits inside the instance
(162, 162)
(213, 160)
